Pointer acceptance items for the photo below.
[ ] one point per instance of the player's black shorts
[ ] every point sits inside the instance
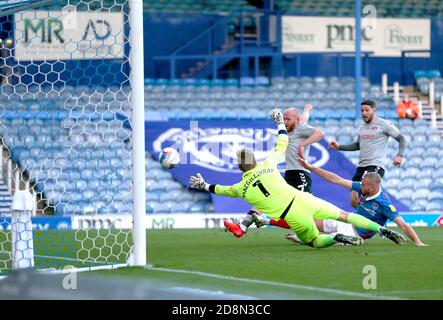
(358, 176)
(299, 179)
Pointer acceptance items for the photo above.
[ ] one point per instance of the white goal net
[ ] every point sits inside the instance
(66, 133)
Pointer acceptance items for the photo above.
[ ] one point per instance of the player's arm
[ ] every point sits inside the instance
(347, 147)
(401, 150)
(316, 136)
(200, 184)
(278, 154)
(327, 175)
(306, 113)
(407, 229)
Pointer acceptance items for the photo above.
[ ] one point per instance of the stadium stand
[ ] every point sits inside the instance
(5, 199)
(333, 98)
(177, 199)
(334, 113)
(96, 182)
(415, 193)
(423, 78)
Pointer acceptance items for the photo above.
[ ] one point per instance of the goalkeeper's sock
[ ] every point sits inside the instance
(247, 221)
(362, 222)
(323, 241)
(279, 223)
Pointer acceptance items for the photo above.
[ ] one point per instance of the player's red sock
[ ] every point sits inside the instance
(279, 223)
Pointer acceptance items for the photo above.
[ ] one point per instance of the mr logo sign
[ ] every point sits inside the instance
(100, 29)
(68, 34)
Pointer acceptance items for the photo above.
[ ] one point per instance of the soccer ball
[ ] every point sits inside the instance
(169, 158)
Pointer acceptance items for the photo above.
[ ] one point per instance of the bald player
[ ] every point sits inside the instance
(263, 187)
(372, 141)
(301, 136)
(374, 204)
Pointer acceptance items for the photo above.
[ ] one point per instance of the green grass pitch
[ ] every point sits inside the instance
(263, 264)
(289, 271)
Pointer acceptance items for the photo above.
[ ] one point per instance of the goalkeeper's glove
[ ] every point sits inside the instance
(276, 116)
(198, 183)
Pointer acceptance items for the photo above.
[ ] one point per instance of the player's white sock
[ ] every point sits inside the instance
(330, 226)
(246, 222)
(294, 238)
(243, 227)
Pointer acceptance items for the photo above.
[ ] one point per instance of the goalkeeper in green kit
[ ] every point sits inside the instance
(263, 187)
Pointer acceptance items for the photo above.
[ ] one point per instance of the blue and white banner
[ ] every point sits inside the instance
(385, 37)
(209, 147)
(41, 223)
(422, 219)
(207, 220)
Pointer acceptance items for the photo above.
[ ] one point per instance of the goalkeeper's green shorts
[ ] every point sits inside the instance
(301, 216)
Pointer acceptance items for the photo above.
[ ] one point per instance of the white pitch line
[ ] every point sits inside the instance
(278, 284)
(85, 269)
(416, 291)
(70, 259)
(219, 295)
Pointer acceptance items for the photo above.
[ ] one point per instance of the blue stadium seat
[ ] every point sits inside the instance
(406, 193)
(150, 205)
(230, 115)
(419, 205)
(430, 152)
(420, 194)
(153, 196)
(247, 81)
(408, 183)
(180, 207)
(169, 185)
(433, 74)
(345, 139)
(426, 172)
(197, 208)
(420, 74)
(260, 115)
(434, 140)
(184, 196)
(433, 206)
(160, 207)
(153, 173)
(172, 195)
(196, 195)
(155, 186)
(262, 80)
(391, 183)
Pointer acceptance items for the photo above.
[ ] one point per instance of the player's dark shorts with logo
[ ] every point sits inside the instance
(299, 179)
(360, 172)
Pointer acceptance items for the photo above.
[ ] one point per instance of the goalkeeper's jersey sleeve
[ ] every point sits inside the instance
(263, 186)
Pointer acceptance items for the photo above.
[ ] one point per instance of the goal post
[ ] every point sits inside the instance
(72, 132)
(138, 125)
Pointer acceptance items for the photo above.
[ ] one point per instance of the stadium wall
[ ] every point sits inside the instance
(206, 147)
(177, 221)
(167, 33)
(315, 64)
(397, 68)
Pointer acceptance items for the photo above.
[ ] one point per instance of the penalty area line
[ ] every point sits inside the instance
(278, 284)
